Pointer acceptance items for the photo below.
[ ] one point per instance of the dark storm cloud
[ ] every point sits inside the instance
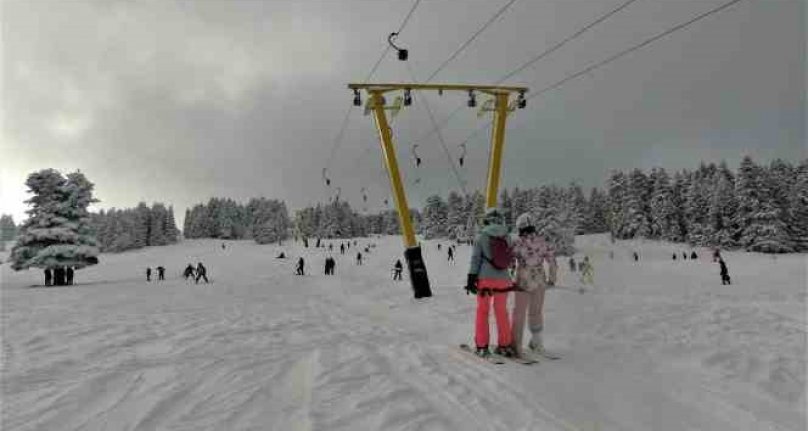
(178, 101)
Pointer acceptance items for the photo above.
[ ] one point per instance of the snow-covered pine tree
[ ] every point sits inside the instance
(8, 230)
(635, 206)
(455, 217)
(617, 190)
(762, 228)
(782, 177)
(435, 218)
(697, 203)
(157, 221)
(57, 233)
(506, 204)
(798, 209)
(661, 207)
(577, 202)
(721, 214)
(170, 227)
(142, 226)
(596, 220)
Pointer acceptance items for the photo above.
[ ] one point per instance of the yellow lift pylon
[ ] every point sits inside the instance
(376, 105)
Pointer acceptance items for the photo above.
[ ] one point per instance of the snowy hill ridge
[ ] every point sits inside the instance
(655, 345)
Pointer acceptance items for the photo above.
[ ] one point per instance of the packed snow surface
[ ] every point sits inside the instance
(654, 345)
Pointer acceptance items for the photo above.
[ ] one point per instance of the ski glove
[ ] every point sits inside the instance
(471, 284)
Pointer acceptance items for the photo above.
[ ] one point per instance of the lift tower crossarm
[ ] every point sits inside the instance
(487, 89)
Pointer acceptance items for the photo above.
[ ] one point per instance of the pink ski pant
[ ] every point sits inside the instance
(500, 300)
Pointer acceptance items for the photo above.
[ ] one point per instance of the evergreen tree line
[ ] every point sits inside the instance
(264, 220)
(338, 220)
(125, 229)
(758, 208)
(559, 213)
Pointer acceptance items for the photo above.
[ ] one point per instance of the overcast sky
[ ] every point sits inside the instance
(179, 101)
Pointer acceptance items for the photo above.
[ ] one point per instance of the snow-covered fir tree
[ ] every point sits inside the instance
(577, 201)
(596, 217)
(435, 221)
(762, 227)
(721, 214)
(618, 191)
(456, 217)
(57, 234)
(798, 209)
(8, 230)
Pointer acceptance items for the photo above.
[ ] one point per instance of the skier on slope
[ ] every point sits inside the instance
(397, 268)
(724, 272)
(587, 273)
(488, 278)
(531, 251)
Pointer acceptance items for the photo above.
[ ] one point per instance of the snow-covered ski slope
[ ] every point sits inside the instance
(655, 345)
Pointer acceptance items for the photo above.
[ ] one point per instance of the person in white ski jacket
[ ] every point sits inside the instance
(531, 252)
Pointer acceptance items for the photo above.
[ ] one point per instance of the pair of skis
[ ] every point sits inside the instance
(499, 359)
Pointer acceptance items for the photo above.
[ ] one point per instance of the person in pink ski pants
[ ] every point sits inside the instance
(491, 284)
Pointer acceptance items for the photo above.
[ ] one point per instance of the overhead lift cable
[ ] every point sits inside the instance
(344, 125)
(614, 57)
(535, 59)
(469, 40)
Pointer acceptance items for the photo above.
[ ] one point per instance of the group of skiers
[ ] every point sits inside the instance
(59, 276)
(196, 274)
(495, 252)
(161, 273)
(693, 255)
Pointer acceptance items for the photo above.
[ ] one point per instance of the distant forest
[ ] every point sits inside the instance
(756, 207)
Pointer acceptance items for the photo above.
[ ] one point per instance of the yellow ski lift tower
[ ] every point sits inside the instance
(500, 105)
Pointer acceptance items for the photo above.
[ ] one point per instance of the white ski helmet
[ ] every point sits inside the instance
(524, 220)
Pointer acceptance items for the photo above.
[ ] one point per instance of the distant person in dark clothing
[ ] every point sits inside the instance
(48, 277)
(329, 266)
(438, 247)
(716, 255)
(306, 242)
(201, 272)
(148, 274)
(282, 255)
(397, 268)
(342, 248)
(223, 246)
(300, 264)
(451, 254)
(636, 257)
(684, 256)
(674, 256)
(694, 256)
(189, 272)
(69, 276)
(318, 243)
(59, 276)
(330, 247)
(724, 272)
(161, 273)
(572, 264)
(359, 258)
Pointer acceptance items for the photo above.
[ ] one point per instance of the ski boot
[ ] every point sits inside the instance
(482, 352)
(506, 351)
